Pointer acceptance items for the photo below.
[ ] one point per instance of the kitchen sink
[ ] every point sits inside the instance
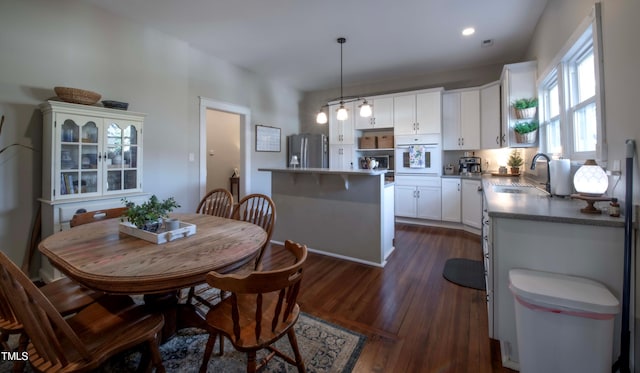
(520, 189)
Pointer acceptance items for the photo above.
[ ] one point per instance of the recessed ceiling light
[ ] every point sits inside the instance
(468, 31)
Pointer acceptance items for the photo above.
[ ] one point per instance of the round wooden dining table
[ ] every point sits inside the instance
(100, 257)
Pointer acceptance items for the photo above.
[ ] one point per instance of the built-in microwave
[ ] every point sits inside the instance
(418, 154)
(384, 162)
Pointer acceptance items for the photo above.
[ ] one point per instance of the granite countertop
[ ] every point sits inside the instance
(541, 208)
(338, 171)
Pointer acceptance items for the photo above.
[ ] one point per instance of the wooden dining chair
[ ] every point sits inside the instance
(66, 295)
(218, 202)
(258, 209)
(93, 216)
(262, 308)
(82, 342)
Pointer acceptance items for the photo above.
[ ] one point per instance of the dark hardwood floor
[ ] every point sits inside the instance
(414, 319)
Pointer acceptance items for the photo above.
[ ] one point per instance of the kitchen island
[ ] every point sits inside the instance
(347, 214)
(542, 233)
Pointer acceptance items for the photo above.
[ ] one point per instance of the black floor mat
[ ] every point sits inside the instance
(465, 272)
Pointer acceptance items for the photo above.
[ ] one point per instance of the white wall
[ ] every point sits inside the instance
(70, 43)
(621, 51)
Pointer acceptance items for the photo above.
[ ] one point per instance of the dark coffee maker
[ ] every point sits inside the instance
(469, 166)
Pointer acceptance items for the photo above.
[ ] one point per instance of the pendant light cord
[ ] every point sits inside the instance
(341, 41)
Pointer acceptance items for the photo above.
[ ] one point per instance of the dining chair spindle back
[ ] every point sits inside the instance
(258, 209)
(261, 309)
(218, 202)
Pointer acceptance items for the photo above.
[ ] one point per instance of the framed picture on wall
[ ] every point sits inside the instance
(267, 138)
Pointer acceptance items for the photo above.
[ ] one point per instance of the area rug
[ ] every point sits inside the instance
(324, 347)
(465, 272)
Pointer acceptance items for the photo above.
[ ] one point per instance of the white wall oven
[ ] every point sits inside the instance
(418, 155)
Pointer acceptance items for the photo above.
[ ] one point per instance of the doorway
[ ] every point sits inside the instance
(223, 149)
(234, 116)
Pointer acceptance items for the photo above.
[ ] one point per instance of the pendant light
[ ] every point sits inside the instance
(342, 113)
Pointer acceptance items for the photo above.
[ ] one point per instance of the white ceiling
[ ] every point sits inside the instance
(294, 41)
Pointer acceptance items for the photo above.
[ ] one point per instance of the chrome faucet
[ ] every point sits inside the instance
(547, 185)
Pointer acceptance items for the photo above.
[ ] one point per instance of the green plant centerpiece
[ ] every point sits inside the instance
(525, 108)
(148, 215)
(526, 131)
(515, 161)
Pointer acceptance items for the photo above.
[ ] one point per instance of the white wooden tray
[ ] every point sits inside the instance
(185, 230)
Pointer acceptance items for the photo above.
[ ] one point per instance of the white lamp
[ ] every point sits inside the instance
(590, 179)
(322, 117)
(591, 183)
(294, 161)
(342, 112)
(365, 109)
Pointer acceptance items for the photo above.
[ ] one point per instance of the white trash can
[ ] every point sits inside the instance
(563, 323)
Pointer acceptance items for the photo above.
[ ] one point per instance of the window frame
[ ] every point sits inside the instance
(587, 37)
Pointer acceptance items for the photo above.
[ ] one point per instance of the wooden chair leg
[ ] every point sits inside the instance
(207, 352)
(156, 358)
(23, 342)
(251, 362)
(221, 345)
(296, 351)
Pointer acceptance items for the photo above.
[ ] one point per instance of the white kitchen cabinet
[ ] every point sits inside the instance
(492, 136)
(461, 120)
(341, 131)
(451, 199)
(418, 112)
(342, 157)
(382, 116)
(487, 253)
(418, 197)
(550, 246)
(472, 203)
(518, 81)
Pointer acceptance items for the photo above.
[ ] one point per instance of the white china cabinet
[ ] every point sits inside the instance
(91, 159)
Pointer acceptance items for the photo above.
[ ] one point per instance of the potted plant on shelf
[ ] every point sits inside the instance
(147, 216)
(525, 107)
(526, 132)
(515, 161)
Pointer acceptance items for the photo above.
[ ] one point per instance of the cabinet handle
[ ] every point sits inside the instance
(462, 141)
(498, 140)
(479, 189)
(458, 187)
(418, 193)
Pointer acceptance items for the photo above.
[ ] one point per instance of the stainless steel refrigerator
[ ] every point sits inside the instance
(312, 150)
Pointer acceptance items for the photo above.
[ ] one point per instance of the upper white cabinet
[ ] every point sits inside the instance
(461, 120)
(518, 81)
(90, 151)
(490, 124)
(418, 112)
(342, 156)
(382, 114)
(341, 131)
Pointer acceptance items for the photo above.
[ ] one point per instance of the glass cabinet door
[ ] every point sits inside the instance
(122, 156)
(78, 156)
